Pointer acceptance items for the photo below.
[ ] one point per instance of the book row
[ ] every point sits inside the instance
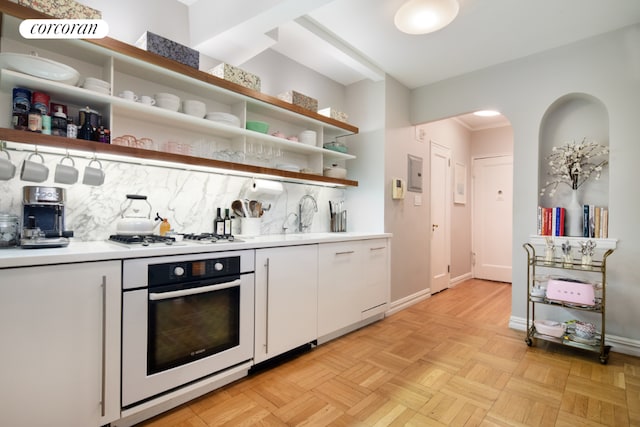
(595, 221)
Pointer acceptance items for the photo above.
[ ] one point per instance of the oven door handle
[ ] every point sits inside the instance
(154, 296)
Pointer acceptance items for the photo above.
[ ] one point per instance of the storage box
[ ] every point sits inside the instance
(334, 114)
(64, 9)
(303, 101)
(159, 45)
(237, 76)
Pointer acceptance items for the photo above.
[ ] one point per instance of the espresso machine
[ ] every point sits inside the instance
(43, 218)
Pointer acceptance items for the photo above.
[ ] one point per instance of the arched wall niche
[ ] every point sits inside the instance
(573, 117)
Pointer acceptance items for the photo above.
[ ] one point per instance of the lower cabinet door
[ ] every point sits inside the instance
(339, 286)
(286, 299)
(60, 345)
(375, 272)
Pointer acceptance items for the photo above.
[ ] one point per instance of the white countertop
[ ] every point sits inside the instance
(103, 250)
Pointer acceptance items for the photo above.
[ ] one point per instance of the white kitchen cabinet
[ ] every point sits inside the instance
(353, 283)
(286, 299)
(60, 358)
(194, 140)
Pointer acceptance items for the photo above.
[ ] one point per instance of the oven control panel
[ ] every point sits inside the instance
(187, 271)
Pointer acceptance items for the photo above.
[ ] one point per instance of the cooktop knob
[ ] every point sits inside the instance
(178, 271)
(218, 266)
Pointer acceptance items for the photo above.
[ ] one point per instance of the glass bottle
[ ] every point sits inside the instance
(227, 223)
(86, 131)
(59, 123)
(72, 129)
(218, 224)
(34, 120)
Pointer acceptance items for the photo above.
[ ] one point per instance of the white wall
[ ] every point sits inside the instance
(128, 20)
(492, 142)
(407, 222)
(279, 74)
(606, 67)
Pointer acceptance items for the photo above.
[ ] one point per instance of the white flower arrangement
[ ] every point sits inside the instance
(574, 163)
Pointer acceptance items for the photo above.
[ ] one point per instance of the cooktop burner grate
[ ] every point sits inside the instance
(208, 238)
(144, 240)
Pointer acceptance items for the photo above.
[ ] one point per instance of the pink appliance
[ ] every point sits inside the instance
(571, 292)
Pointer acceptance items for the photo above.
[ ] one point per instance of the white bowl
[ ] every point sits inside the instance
(168, 104)
(194, 108)
(167, 96)
(549, 327)
(335, 172)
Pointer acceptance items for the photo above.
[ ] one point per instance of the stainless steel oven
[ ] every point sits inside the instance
(184, 318)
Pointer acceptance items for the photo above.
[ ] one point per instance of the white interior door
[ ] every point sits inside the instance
(492, 217)
(440, 217)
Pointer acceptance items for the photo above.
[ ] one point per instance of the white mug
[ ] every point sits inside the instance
(129, 95)
(93, 176)
(34, 171)
(147, 100)
(7, 168)
(66, 174)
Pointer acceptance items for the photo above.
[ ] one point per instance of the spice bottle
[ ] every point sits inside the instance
(59, 123)
(34, 122)
(164, 227)
(72, 129)
(46, 124)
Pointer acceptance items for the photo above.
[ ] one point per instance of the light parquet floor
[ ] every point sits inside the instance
(450, 360)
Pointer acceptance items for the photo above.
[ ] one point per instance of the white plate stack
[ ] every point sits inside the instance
(97, 85)
(224, 118)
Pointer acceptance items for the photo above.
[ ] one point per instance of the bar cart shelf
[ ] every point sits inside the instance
(596, 268)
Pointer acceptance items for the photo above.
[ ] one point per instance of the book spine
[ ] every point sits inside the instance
(547, 221)
(591, 221)
(562, 218)
(539, 221)
(605, 223)
(596, 222)
(585, 221)
(554, 221)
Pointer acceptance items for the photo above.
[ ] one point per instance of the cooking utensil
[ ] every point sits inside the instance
(254, 208)
(236, 206)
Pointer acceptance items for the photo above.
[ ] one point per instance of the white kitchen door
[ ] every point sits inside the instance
(440, 217)
(492, 217)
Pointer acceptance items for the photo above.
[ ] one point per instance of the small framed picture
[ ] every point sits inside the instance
(460, 184)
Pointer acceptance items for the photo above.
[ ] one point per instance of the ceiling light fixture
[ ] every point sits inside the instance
(425, 16)
(486, 113)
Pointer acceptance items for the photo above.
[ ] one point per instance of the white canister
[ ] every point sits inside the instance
(250, 226)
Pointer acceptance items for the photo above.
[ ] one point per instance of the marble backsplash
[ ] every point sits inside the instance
(187, 198)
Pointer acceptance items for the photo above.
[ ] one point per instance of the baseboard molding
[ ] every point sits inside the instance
(408, 301)
(618, 344)
(459, 279)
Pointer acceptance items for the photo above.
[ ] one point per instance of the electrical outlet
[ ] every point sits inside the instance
(420, 134)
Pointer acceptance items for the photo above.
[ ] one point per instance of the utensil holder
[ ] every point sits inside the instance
(250, 226)
(339, 221)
